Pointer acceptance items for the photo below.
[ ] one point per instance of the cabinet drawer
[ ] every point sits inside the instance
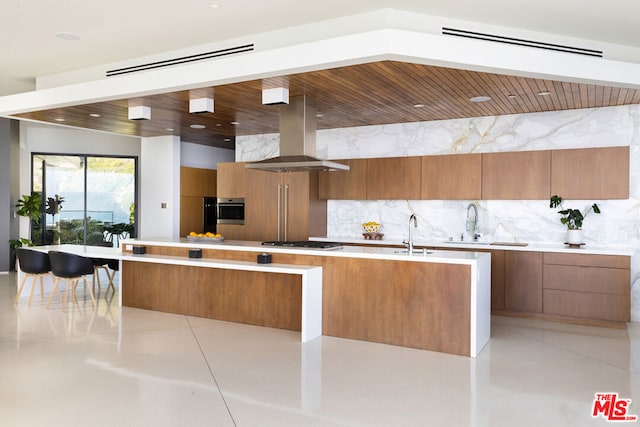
(612, 261)
(587, 305)
(587, 279)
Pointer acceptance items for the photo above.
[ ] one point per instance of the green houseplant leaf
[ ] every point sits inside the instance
(30, 206)
(572, 218)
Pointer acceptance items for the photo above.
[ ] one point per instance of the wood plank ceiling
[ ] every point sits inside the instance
(367, 94)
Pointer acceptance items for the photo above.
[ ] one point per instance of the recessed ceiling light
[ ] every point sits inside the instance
(94, 115)
(197, 126)
(227, 139)
(319, 115)
(59, 119)
(544, 93)
(235, 123)
(214, 6)
(67, 36)
(480, 99)
(169, 129)
(218, 124)
(511, 96)
(418, 105)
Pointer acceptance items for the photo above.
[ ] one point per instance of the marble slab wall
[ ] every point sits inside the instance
(526, 221)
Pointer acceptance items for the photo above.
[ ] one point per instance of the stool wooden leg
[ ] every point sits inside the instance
(96, 275)
(42, 285)
(33, 286)
(24, 279)
(86, 284)
(66, 293)
(53, 291)
(111, 285)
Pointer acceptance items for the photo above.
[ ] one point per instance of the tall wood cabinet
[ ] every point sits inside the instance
(195, 184)
(285, 202)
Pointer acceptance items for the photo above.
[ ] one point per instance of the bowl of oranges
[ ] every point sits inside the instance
(205, 237)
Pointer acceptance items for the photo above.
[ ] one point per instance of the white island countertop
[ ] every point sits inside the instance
(588, 249)
(395, 254)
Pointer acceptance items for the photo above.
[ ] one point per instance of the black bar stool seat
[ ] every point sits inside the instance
(72, 269)
(36, 265)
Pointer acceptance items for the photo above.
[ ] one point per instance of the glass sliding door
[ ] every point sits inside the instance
(111, 193)
(86, 199)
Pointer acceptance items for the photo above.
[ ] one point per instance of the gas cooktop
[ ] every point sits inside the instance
(304, 244)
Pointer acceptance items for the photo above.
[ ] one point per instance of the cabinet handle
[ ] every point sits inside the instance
(286, 210)
(279, 199)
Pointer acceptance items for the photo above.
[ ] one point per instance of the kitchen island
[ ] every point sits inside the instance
(436, 300)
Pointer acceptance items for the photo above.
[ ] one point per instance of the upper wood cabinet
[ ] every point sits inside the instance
(590, 173)
(345, 185)
(452, 177)
(522, 175)
(197, 182)
(393, 178)
(231, 179)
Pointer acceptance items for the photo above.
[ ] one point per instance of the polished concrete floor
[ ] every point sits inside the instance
(114, 366)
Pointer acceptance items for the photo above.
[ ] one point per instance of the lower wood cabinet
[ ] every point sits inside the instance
(587, 286)
(523, 281)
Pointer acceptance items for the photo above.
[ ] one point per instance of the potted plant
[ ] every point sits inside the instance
(573, 219)
(30, 207)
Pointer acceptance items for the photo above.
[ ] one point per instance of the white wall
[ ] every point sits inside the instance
(204, 157)
(159, 206)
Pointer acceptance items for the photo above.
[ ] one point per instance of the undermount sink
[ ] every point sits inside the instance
(414, 252)
(466, 242)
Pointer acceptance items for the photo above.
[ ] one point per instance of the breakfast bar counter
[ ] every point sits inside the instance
(436, 300)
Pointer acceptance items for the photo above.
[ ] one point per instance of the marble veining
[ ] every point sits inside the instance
(500, 220)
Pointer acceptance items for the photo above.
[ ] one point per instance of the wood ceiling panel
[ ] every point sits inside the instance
(367, 94)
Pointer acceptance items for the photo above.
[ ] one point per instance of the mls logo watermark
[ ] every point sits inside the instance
(611, 408)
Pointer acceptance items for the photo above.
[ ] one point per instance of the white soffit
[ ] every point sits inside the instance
(386, 44)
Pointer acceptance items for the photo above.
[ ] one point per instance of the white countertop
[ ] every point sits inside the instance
(589, 249)
(440, 256)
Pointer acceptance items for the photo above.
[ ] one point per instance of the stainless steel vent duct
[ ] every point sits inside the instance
(297, 141)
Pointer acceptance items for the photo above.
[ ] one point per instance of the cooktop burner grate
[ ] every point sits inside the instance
(303, 244)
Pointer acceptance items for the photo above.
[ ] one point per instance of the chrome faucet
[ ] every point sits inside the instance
(409, 243)
(472, 224)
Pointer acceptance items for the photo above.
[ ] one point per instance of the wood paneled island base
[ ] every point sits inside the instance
(256, 298)
(429, 305)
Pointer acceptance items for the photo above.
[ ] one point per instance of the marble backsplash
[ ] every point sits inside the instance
(512, 220)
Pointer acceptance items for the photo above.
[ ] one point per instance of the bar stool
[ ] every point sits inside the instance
(71, 268)
(34, 264)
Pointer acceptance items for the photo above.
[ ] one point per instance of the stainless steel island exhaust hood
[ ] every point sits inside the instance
(297, 141)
